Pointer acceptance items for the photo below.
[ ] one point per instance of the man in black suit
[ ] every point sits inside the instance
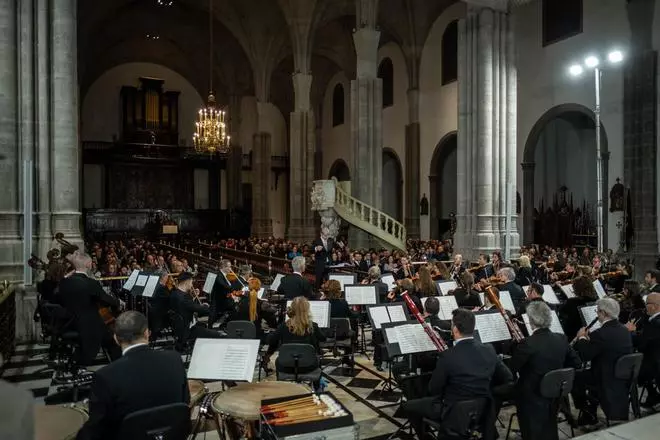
(141, 379)
(647, 341)
(295, 284)
(651, 279)
(540, 353)
(603, 347)
(81, 296)
(322, 251)
(360, 265)
(517, 293)
(159, 304)
(222, 289)
(186, 326)
(464, 372)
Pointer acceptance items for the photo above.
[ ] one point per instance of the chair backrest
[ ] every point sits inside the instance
(341, 328)
(241, 330)
(557, 383)
(464, 417)
(297, 356)
(167, 422)
(627, 366)
(55, 316)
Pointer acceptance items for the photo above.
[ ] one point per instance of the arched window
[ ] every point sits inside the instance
(450, 53)
(386, 73)
(338, 105)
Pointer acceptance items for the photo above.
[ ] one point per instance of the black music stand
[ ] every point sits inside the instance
(361, 301)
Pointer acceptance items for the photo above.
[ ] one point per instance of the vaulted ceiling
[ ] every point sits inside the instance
(249, 36)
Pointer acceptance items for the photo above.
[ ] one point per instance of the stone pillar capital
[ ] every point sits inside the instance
(302, 85)
(366, 48)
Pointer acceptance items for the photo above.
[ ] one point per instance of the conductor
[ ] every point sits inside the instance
(322, 251)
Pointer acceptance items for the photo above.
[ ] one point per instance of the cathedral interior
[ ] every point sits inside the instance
(489, 124)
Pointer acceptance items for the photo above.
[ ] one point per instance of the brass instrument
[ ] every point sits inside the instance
(67, 247)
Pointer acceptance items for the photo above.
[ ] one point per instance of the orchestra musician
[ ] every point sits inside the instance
(406, 270)
(524, 273)
(424, 284)
(186, 326)
(569, 312)
(598, 385)
(647, 341)
(221, 293)
(484, 269)
(465, 294)
(159, 304)
(457, 268)
(360, 265)
(464, 372)
(322, 250)
(538, 354)
(251, 308)
(373, 277)
(631, 301)
(508, 275)
(651, 279)
(295, 284)
(496, 262)
(82, 296)
(339, 308)
(142, 378)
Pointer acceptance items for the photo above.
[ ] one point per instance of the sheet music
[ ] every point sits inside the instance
(482, 298)
(209, 282)
(568, 290)
(276, 282)
(260, 292)
(130, 282)
(507, 302)
(361, 295)
(397, 314)
(320, 313)
(391, 335)
(447, 305)
(446, 286)
(555, 326)
(389, 280)
(224, 359)
(141, 280)
(379, 315)
(343, 279)
(150, 288)
(589, 314)
(549, 295)
(492, 327)
(599, 289)
(413, 339)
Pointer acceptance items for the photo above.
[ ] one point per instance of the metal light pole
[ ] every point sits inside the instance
(592, 62)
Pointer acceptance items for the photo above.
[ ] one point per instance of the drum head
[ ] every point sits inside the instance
(58, 422)
(244, 400)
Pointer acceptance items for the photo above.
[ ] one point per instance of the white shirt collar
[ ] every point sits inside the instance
(652, 317)
(297, 273)
(467, 338)
(130, 347)
(82, 272)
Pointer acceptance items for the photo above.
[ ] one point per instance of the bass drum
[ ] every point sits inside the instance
(59, 422)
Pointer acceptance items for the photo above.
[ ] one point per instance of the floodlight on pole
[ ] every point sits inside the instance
(591, 61)
(576, 70)
(615, 56)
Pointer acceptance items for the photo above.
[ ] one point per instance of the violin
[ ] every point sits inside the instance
(477, 268)
(616, 273)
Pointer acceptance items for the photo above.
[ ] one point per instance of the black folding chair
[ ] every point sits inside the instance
(167, 422)
(627, 368)
(241, 330)
(298, 357)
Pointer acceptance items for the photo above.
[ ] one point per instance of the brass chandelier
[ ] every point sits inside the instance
(211, 126)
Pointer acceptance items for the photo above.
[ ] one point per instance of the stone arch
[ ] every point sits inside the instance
(340, 170)
(392, 188)
(442, 184)
(572, 114)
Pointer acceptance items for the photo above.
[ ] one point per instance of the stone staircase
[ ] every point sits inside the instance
(331, 199)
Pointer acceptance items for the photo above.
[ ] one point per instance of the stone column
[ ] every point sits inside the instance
(412, 166)
(10, 239)
(64, 105)
(366, 118)
(262, 224)
(235, 158)
(528, 202)
(486, 128)
(301, 162)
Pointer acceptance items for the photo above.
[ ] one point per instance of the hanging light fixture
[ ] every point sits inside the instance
(211, 126)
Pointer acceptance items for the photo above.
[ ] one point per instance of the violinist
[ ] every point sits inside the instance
(457, 268)
(496, 262)
(569, 312)
(223, 287)
(360, 265)
(424, 284)
(524, 273)
(508, 275)
(651, 279)
(406, 270)
(295, 284)
(373, 277)
(631, 301)
(159, 305)
(465, 295)
(616, 278)
(484, 269)
(443, 271)
(251, 308)
(565, 275)
(597, 266)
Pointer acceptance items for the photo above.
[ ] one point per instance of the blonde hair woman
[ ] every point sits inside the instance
(251, 308)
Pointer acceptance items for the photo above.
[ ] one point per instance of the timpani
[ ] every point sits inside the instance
(197, 391)
(243, 403)
(58, 422)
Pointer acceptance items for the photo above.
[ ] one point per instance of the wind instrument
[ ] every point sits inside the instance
(515, 331)
(591, 324)
(439, 343)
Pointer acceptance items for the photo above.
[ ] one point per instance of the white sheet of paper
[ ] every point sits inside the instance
(397, 314)
(445, 287)
(447, 305)
(568, 290)
(413, 339)
(150, 288)
(141, 280)
(389, 280)
(276, 282)
(130, 282)
(555, 326)
(320, 313)
(343, 279)
(361, 295)
(379, 315)
(589, 314)
(492, 328)
(209, 282)
(599, 289)
(391, 335)
(224, 359)
(549, 295)
(482, 298)
(507, 302)
(260, 292)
